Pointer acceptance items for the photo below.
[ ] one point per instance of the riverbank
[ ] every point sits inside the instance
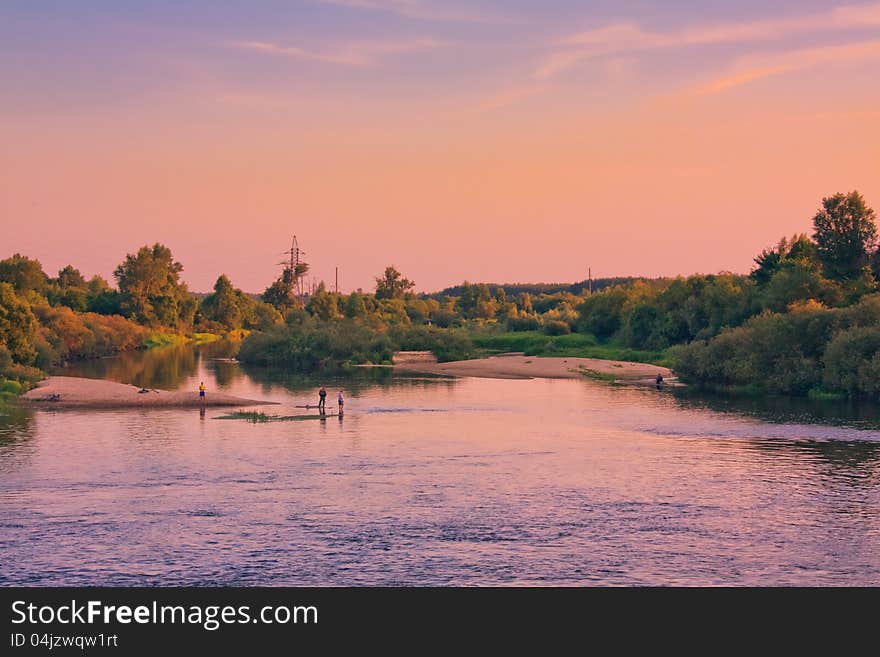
(76, 392)
(518, 366)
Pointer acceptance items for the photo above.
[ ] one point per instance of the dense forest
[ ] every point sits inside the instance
(805, 320)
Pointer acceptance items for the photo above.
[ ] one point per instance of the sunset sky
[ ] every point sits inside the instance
(504, 141)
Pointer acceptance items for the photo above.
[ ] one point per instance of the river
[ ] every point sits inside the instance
(434, 481)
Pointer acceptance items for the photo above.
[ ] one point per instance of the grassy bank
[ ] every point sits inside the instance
(175, 339)
(572, 345)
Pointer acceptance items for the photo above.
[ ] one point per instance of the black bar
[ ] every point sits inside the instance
(327, 617)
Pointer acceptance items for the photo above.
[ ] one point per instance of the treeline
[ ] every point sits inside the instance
(46, 320)
(721, 330)
(535, 289)
(811, 350)
(716, 330)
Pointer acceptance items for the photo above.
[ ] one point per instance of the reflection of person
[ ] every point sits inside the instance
(202, 391)
(202, 413)
(322, 399)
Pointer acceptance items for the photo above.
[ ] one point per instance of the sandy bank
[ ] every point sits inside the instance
(75, 392)
(516, 366)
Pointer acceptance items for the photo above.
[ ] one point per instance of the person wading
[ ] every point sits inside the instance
(322, 399)
(202, 392)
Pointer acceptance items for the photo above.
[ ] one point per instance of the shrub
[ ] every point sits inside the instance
(852, 361)
(556, 327)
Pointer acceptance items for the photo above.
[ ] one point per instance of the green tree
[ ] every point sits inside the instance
(799, 248)
(18, 326)
(355, 306)
(282, 293)
(150, 288)
(323, 304)
(70, 276)
(102, 299)
(224, 305)
(845, 233)
(392, 284)
(23, 274)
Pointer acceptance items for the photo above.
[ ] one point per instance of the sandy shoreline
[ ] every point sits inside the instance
(517, 366)
(76, 392)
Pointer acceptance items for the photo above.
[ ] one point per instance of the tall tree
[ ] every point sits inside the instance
(392, 284)
(282, 293)
(23, 273)
(224, 305)
(845, 233)
(70, 276)
(323, 304)
(150, 288)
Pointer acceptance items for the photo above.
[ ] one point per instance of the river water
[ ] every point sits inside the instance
(433, 481)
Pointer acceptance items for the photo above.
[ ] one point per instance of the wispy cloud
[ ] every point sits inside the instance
(354, 54)
(419, 10)
(628, 37)
(508, 96)
(757, 67)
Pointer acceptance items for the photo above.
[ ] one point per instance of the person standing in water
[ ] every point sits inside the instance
(202, 392)
(322, 399)
(340, 401)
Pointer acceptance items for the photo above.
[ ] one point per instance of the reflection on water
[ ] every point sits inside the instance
(162, 367)
(15, 422)
(434, 481)
(801, 410)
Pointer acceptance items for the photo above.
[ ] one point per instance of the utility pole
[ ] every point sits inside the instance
(590, 279)
(295, 265)
(293, 253)
(336, 287)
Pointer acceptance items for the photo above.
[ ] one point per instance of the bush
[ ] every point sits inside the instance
(10, 386)
(310, 345)
(446, 345)
(556, 327)
(852, 362)
(792, 353)
(523, 323)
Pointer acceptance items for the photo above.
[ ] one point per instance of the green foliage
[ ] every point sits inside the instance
(283, 293)
(355, 306)
(518, 320)
(446, 345)
(230, 309)
(10, 387)
(150, 289)
(846, 234)
(307, 344)
(23, 274)
(601, 314)
(797, 281)
(653, 315)
(66, 335)
(810, 347)
(70, 277)
(573, 345)
(596, 375)
(392, 284)
(852, 362)
(164, 340)
(18, 326)
(556, 327)
(323, 304)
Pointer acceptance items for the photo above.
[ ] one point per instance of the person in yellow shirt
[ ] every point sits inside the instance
(202, 391)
